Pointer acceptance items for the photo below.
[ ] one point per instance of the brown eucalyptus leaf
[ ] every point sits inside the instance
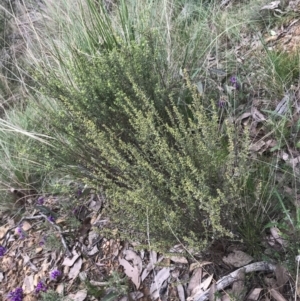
(136, 260)
(79, 296)
(281, 275)
(254, 294)
(157, 282)
(28, 284)
(226, 297)
(131, 271)
(276, 295)
(195, 280)
(179, 259)
(75, 270)
(195, 265)
(198, 290)
(212, 291)
(180, 292)
(26, 225)
(30, 297)
(256, 146)
(271, 6)
(238, 286)
(282, 106)
(70, 261)
(276, 235)
(257, 115)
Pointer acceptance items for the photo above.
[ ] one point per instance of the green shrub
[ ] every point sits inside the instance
(156, 160)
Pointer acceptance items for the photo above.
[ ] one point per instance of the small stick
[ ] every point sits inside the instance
(232, 277)
(69, 254)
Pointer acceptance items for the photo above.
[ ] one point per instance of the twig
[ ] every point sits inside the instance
(20, 222)
(232, 277)
(297, 276)
(69, 254)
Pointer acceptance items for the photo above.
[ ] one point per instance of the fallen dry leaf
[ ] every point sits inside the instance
(238, 287)
(276, 295)
(131, 272)
(136, 295)
(79, 296)
(60, 288)
(151, 264)
(30, 298)
(257, 115)
(198, 290)
(75, 270)
(237, 259)
(179, 259)
(271, 6)
(195, 280)
(225, 297)
(70, 261)
(136, 260)
(28, 285)
(132, 296)
(276, 235)
(255, 147)
(26, 226)
(281, 275)
(282, 106)
(3, 230)
(195, 265)
(157, 282)
(254, 294)
(180, 292)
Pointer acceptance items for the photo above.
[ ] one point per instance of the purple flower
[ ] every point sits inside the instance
(51, 219)
(42, 241)
(21, 232)
(234, 81)
(41, 287)
(222, 102)
(40, 200)
(16, 295)
(55, 274)
(2, 251)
